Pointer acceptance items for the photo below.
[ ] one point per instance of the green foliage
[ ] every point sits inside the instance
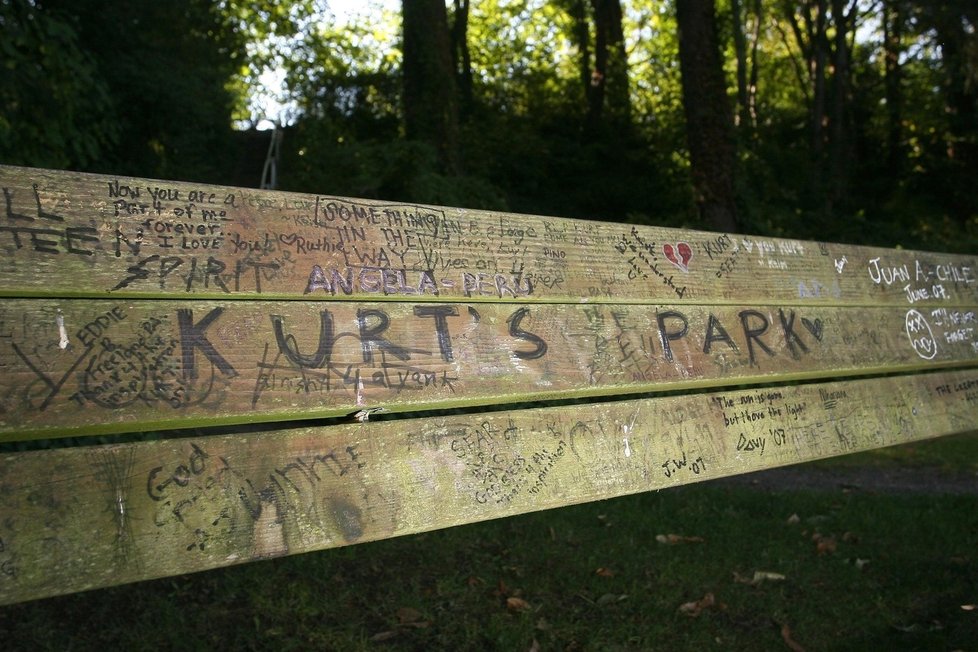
(151, 88)
(53, 102)
(522, 145)
(136, 87)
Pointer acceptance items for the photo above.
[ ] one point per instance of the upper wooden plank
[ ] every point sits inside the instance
(70, 234)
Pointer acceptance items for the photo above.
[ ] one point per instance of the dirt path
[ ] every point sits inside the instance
(929, 480)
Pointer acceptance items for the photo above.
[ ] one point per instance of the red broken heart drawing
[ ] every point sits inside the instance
(679, 255)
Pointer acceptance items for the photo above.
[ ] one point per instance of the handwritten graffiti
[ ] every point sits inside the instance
(204, 495)
(673, 326)
(643, 261)
(382, 362)
(388, 281)
(50, 237)
(118, 360)
(921, 336)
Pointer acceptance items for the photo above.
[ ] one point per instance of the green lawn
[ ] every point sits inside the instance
(860, 572)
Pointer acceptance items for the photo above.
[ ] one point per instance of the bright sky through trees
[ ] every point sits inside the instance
(855, 120)
(269, 102)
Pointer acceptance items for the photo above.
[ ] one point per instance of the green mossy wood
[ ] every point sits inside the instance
(67, 234)
(133, 304)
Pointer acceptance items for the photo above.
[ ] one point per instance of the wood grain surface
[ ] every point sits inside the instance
(131, 305)
(71, 234)
(76, 367)
(81, 518)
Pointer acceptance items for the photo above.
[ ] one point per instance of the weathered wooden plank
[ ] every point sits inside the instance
(81, 518)
(70, 234)
(89, 366)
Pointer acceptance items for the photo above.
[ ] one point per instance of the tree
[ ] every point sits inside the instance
(841, 146)
(709, 123)
(823, 31)
(955, 24)
(461, 54)
(746, 65)
(740, 51)
(55, 109)
(127, 86)
(430, 103)
(603, 69)
(608, 88)
(892, 19)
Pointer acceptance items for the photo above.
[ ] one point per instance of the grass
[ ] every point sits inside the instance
(861, 571)
(958, 454)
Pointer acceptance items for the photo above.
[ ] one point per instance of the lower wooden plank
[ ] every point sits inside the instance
(81, 518)
(81, 367)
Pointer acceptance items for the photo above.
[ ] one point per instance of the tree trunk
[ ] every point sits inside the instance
(820, 52)
(430, 104)
(461, 54)
(960, 92)
(953, 23)
(840, 143)
(755, 46)
(813, 41)
(740, 50)
(577, 10)
(709, 126)
(608, 85)
(893, 17)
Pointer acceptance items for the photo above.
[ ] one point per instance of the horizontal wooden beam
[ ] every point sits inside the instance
(88, 366)
(70, 234)
(82, 518)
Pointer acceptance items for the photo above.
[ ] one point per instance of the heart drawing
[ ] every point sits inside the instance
(679, 255)
(814, 327)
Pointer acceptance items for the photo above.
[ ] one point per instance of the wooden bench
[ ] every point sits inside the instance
(227, 315)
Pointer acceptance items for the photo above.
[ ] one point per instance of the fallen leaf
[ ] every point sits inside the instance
(825, 545)
(969, 607)
(908, 629)
(861, 563)
(693, 609)
(604, 572)
(517, 604)
(611, 598)
(673, 539)
(759, 576)
(790, 642)
(793, 519)
(383, 636)
(535, 646)
(766, 576)
(407, 615)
